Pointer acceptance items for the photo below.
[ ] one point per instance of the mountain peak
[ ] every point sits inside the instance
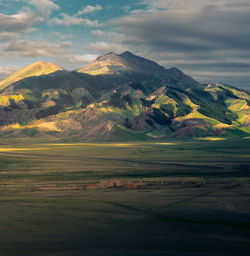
(143, 64)
(35, 69)
(43, 65)
(39, 62)
(107, 55)
(110, 53)
(111, 63)
(127, 53)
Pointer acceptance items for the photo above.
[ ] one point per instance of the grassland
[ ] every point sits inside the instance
(196, 201)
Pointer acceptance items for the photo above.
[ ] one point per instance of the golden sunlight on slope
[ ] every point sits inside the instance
(36, 69)
(108, 64)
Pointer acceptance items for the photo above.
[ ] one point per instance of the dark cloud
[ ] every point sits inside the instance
(193, 35)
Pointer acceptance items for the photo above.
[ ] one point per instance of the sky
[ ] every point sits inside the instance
(208, 40)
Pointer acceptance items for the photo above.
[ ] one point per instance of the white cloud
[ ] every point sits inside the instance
(85, 58)
(89, 9)
(108, 35)
(20, 22)
(44, 7)
(68, 21)
(25, 48)
(98, 33)
(7, 71)
(27, 19)
(66, 44)
(6, 36)
(63, 37)
(126, 8)
(105, 47)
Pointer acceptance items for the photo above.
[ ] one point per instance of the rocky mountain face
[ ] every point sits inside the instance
(119, 97)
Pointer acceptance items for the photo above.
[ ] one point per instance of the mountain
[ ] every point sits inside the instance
(137, 68)
(119, 97)
(36, 69)
(112, 63)
(108, 64)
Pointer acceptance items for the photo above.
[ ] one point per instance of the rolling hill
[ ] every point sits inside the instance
(36, 69)
(119, 97)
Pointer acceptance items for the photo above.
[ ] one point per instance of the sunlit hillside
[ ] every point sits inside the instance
(36, 69)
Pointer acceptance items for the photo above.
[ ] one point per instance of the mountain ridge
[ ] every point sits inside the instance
(139, 100)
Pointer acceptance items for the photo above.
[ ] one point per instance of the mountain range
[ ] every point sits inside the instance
(119, 97)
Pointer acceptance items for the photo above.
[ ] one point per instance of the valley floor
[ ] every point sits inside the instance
(178, 198)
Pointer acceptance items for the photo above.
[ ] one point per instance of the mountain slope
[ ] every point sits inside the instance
(138, 100)
(36, 69)
(141, 64)
(110, 63)
(137, 69)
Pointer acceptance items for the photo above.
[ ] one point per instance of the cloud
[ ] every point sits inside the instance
(68, 21)
(44, 7)
(6, 36)
(108, 34)
(174, 32)
(63, 37)
(125, 8)
(196, 5)
(89, 9)
(85, 58)
(27, 19)
(20, 22)
(105, 47)
(7, 71)
(25, 48)
(98, 33)
(6, 2)
(74, 61)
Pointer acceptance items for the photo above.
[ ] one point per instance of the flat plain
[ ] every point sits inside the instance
(193, 198)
